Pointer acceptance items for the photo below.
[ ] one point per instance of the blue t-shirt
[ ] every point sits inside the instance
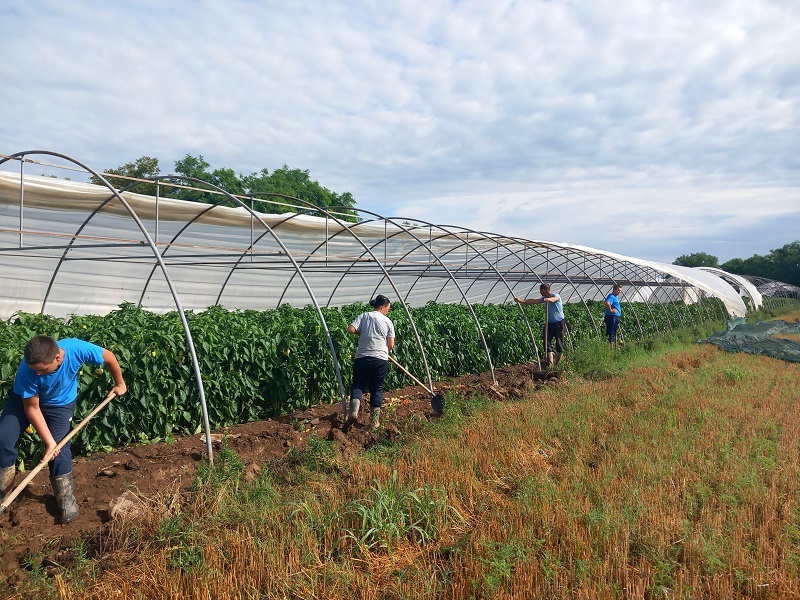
(555, 310)
(61, 386)
(614, 302)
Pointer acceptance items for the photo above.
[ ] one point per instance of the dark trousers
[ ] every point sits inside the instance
(554, 331)
(612, 324)
(13, 421)
(371, 371)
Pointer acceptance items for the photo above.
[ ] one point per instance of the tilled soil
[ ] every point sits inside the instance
(29, 526)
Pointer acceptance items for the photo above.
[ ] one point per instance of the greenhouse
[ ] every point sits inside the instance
(69, 248)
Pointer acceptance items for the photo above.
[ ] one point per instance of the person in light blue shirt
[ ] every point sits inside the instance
(613, 313)
(554, 328)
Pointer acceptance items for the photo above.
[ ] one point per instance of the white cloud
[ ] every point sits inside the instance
(655, 129)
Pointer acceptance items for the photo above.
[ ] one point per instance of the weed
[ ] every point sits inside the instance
(318, 456)
(502, 560)
(392, 512)
(227, 469)
(735, 373)
(593, 359)
(183, 540)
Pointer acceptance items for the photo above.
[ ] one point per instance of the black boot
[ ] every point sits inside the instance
(64, 489)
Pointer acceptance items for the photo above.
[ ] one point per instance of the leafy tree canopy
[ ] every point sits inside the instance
(144, 167)
(697, 259)
(266, 188)
(782, 264)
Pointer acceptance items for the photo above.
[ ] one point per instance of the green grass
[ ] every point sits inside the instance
(666, 470)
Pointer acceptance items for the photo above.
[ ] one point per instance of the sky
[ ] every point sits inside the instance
(650, 129)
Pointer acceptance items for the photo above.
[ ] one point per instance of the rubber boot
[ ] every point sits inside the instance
(355, 405)
(374, 420)
(549, 360)
(556, 358)
(6, 480)
(64, 488)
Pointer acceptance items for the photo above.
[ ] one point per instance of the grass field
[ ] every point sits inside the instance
(669, 473)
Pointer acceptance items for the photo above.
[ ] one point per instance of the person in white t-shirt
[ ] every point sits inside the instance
(375, 333)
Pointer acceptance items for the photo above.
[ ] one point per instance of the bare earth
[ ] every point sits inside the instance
(30, 526)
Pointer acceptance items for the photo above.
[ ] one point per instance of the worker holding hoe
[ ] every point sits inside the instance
(554, 325)
(375, 333)
(44, 395)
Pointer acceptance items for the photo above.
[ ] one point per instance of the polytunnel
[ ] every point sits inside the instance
(71, 248)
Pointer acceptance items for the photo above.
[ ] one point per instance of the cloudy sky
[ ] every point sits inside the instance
(652, 129)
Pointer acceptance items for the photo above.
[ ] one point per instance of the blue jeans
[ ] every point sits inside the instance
(13, 421)
(372, 371)
(612, 324)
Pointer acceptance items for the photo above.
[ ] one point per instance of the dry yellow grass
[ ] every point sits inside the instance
(676, 480)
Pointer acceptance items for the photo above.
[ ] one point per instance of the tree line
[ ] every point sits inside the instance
(262, 186)
(781, 264)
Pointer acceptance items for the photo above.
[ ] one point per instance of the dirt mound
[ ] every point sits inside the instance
(29, 526)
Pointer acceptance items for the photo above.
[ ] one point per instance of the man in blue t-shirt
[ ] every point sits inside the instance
(554, 328)
(613, 313)
(44, 396)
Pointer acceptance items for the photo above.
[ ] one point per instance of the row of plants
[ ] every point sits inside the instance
(256, 364)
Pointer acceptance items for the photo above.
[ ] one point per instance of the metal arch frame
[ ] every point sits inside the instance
(500, 240)
(597, 262)
(530, 244)
(345, 227)
(270, 231)
(157, 255)
(68, 247)
(387, 276)
(773, 288)
(730, 278)
(349, 229)
(377, 243)
(559, 250)
(649, 273)
(458, 286)
(466, 242)
(420, 244)
(184, 228)
(495, 238)
(566, 252)
(621, 273)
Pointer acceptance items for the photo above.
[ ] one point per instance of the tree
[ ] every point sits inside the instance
(698, 259)
(265, 187)
(782, 264)
(298, 184)
(144, 167)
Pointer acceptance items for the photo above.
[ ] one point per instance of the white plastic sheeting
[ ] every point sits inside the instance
(59, 256)
(746, 289)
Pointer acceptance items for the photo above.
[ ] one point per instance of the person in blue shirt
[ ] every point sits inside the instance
(44, 396)
(554, 328)
(613, 313)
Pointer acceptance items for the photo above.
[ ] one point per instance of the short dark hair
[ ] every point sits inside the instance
(379, 301)
(41, 349)
(544, 286)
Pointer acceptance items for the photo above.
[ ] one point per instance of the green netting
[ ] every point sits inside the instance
(762, 338)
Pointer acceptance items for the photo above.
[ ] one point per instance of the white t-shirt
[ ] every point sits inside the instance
(373, 327)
